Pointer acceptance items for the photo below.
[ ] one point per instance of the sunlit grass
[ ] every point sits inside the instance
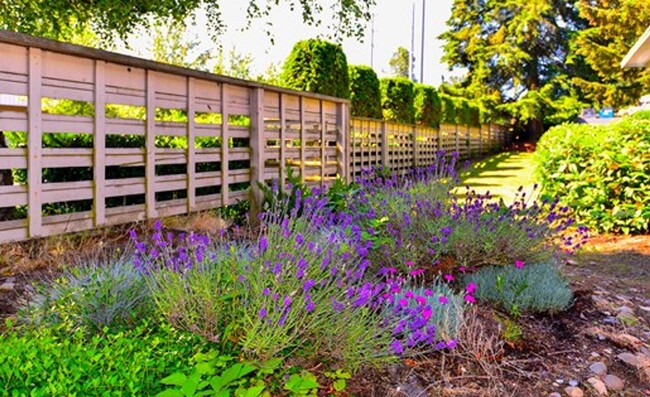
(501, 175)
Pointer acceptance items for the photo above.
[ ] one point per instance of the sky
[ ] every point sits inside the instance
(392, 29)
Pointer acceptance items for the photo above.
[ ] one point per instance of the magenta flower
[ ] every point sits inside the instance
(421, 300)
(409, 263)
(428, 292)
(403, 302)
(469, 298)
(519, 264)
(427, 313)
(443, 300)
(471, 288)
(417, 272)
(449, 277)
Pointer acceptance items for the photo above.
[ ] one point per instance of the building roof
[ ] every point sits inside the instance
(639, 55)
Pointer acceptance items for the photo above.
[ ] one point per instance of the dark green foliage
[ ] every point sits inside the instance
(459, 110)
(536, 287)
(428, 107)
(601, 172)
(45, 362)
(365, 95)
(318, 66)
(397, 96)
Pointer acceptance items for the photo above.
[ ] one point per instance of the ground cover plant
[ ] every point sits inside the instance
(356, 276)
(601, 172)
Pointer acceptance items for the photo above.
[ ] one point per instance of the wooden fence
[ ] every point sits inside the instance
(225, 136)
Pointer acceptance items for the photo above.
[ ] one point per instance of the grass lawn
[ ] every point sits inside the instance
(501, 175)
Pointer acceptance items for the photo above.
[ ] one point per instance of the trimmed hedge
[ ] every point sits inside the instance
(397, 96)
(458, 110)
(601, 172)
(428, 107)
(317, 66)
(365, 94)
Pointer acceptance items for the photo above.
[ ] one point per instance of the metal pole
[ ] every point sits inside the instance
(372, 43)
(422, 49)
(412, 52)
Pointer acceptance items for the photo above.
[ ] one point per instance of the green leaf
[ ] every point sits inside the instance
(175, 379)
(170, 393)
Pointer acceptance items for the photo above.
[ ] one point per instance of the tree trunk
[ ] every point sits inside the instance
(535, 129)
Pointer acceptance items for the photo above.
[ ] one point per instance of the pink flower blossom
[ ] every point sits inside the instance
(421, 300)
(449, 277)
(427, 313)
(428, 292)
(462, 269)
(403, 302)
(519, 264)
(469, 298)
(471, 288)
(409, 263)
(409, 294)
(417, 272)
(443, 300)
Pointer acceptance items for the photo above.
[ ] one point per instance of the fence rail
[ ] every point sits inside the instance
(187, 140)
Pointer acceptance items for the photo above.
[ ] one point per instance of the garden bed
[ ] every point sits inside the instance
(500, 348)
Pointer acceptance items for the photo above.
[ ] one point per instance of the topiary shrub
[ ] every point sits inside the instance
(318, 66)
(448, 109)
(397, 96)
(365, 95)
(428, 107)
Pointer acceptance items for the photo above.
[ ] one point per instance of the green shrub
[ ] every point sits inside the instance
(428, 107)
(536, 287)
(397, 96)
(365, 95)
(45, 362)
(99, 294)
(319, 66)
(448, 109)
(640, 115)
(601, 172)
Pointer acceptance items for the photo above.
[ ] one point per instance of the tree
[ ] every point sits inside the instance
(319, 66)
(111, 19)
(400, 63)
(365, 94)
(516, 51)
(614, 27)
(169, 46)
(238, 65)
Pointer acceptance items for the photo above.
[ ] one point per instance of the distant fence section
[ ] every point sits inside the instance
(90, 138)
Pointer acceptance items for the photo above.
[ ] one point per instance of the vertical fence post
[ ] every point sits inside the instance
(414, 130)
(283, 143)
(225, 142)
(438, 138)
(150, 148)
(99, 145)
(257, 145)
(34, 144)
(323, 127)
(468, 141)
(384, 145)
(489, 137)
(303, 141)
(456, 140)
(480, 139)
(342, 150)
(191, 147)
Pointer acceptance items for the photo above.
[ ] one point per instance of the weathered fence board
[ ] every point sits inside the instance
(152, 140)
